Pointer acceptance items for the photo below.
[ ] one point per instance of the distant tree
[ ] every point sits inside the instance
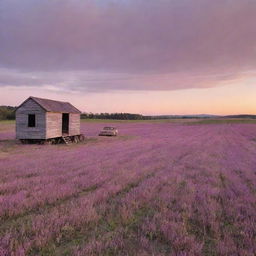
(7, 113)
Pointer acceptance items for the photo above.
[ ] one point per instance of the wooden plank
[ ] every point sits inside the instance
(74, 124)
(53, 125)
(22, 129)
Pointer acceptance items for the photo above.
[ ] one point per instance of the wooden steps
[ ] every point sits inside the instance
(67, 140)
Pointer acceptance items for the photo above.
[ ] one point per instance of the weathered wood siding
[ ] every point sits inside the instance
(48, 124)
(53, 125)
(74, 124)
(22, 129)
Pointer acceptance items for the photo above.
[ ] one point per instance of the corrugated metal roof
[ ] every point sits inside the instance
(55, 106)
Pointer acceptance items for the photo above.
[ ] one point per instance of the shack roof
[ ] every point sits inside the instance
(54, 106)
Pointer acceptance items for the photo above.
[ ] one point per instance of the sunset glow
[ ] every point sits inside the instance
(148, 57)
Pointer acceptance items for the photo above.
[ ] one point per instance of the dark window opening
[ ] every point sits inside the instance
(31, 120)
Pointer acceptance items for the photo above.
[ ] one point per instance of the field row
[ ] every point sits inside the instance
(166, 189)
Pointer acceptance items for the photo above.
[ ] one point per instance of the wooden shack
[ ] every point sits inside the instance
(44, 120)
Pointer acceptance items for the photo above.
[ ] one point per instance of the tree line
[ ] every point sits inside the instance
(117, 116)
(7, 113)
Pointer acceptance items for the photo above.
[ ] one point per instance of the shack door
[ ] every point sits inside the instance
(65, 123)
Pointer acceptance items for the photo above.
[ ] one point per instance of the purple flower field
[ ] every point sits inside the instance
(160, 188)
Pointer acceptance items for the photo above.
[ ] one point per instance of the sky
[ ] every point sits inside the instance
(139, 56)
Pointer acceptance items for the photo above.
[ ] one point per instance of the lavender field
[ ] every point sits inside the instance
(160, 188)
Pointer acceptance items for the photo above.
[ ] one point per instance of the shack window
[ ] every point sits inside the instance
(31, 120)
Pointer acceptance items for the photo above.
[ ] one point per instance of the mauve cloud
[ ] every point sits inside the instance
(113, 45)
